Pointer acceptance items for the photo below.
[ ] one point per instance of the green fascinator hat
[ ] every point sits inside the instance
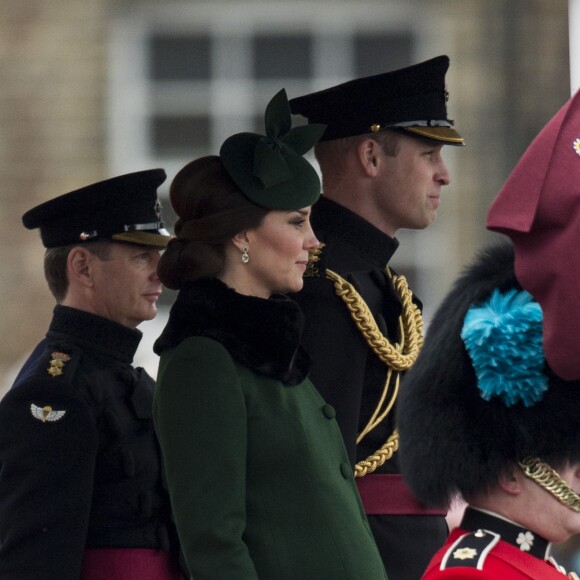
(270, 169)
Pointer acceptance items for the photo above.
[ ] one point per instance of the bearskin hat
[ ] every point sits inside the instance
(452, 440)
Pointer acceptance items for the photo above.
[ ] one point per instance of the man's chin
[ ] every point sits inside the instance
(150, 315)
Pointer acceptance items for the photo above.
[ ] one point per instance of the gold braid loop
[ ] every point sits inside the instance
(549, 479)
(398, 357)
(379, 457)
(383, 408)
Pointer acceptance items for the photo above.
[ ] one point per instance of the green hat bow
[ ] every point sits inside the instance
(269, 169)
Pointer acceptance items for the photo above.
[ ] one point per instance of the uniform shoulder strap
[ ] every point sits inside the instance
(470, 550)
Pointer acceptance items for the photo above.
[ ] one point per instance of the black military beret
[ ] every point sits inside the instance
(411, 99)
(124, 208)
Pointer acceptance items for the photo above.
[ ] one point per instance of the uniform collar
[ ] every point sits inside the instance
(512, 533)
(95, 332)
(329, 217)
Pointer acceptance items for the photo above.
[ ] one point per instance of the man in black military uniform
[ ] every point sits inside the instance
(382, 170)
(81, 487)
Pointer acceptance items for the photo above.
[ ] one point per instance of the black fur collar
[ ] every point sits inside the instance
(262, 334)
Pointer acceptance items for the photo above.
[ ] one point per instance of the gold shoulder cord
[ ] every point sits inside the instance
(398, 357)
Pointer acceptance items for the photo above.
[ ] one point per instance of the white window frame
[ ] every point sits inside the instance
(332, 24)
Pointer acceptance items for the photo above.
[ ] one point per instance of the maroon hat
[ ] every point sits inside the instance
(539, 209)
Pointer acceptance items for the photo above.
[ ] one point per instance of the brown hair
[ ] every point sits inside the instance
(331, 154)
(55, 264)
(211, 211)
(388, 140)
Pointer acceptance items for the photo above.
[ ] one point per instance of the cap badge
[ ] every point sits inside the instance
(375, 128)
(157, 209)
(446, 95)
(87, 236)
(465, 554)
(577, 146)
(57, 363)
(46, 413)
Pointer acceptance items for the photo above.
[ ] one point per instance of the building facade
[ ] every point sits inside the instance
(94, 88)
(90, 89)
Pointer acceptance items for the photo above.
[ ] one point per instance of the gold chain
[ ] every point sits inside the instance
(398, 357)
(549, 479)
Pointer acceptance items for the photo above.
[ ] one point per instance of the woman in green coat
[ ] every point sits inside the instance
(260, 483)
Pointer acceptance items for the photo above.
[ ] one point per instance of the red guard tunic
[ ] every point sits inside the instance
(491, 548)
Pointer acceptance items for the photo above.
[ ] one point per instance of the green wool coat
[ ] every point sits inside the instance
(259, 479)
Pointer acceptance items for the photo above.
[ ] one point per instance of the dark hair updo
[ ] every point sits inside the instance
(211, 210)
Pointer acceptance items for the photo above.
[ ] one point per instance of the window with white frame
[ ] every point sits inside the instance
(186, 75)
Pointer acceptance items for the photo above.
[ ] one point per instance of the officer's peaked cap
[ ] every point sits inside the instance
(124, 209)
(411, 99)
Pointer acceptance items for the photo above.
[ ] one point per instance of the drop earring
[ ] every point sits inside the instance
(245, 255)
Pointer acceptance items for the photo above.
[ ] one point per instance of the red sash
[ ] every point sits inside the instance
(388, 494)
(129, 564)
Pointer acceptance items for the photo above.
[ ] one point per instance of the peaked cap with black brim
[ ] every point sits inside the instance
(124, 209)
(412, 100)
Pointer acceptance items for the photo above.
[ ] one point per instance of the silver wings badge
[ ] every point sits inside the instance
(46, 413)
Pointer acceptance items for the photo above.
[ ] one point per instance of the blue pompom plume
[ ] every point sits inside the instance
(504, 340)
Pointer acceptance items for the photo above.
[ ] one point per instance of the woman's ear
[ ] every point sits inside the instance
(241, 240)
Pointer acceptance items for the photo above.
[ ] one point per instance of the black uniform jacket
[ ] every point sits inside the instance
(79, 462)
(350, 376)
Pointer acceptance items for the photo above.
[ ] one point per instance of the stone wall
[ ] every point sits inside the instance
(52, 79)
